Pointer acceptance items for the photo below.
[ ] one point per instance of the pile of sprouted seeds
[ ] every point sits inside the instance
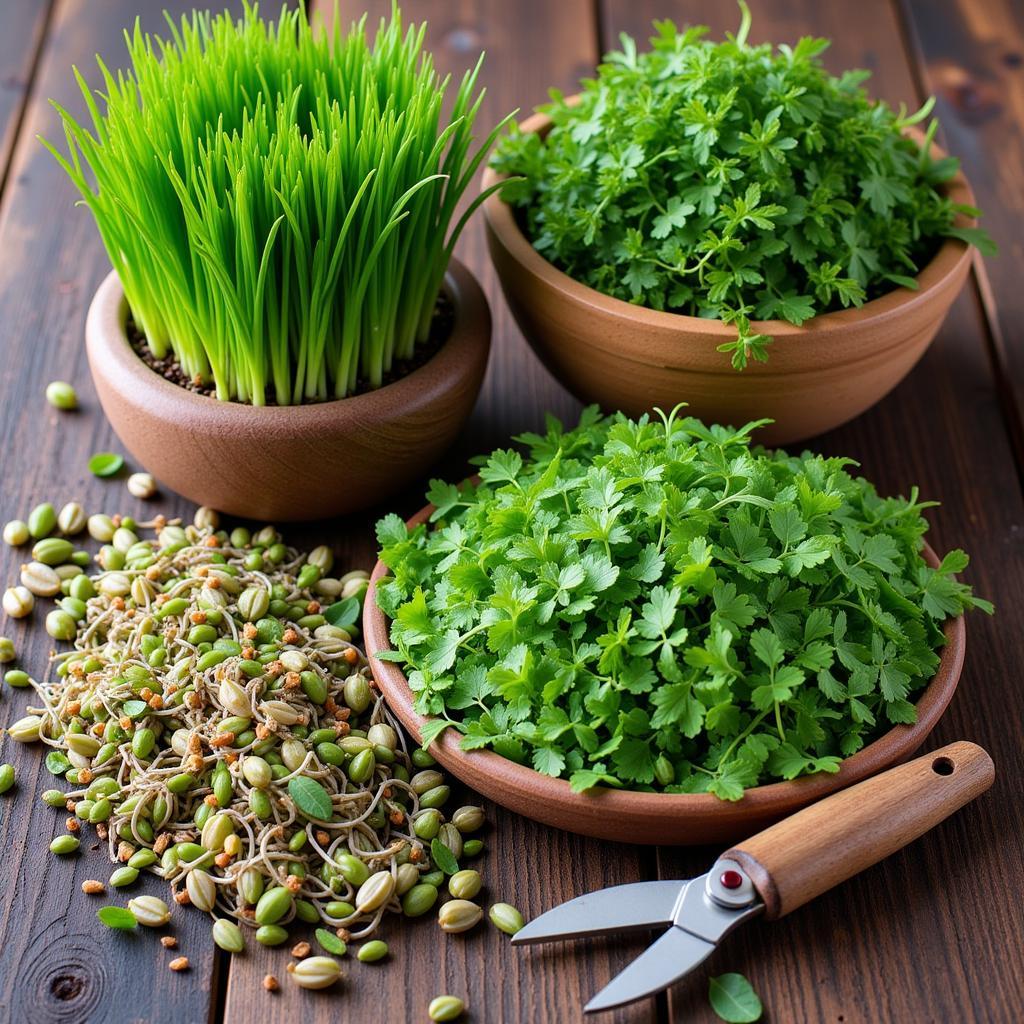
(220, 728)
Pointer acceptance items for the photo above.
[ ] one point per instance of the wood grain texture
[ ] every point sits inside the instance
(970, 56)
(24, 29)
(929, 935)
(821, 846)
(942, 429)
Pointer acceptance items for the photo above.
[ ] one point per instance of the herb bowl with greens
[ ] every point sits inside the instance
(285, 332)
(649, 630)
(731, 226)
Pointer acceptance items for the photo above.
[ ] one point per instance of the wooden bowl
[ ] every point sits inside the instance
(290, 462)
(653, 818)
(631, 358)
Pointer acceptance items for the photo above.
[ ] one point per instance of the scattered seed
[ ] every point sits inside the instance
(93, 887)
(444, 1008)
(141, 485)
(61, 395)
(179, 963)
(270, 983)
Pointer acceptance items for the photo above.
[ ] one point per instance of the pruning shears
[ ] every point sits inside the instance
(771, 874)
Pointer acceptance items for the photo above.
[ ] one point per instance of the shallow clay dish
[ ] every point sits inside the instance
(290, 462)
(628, 357)
(681, 819)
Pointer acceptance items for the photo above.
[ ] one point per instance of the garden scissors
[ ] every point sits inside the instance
(773, 873)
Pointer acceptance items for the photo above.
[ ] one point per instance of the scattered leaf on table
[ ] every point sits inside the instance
(734, 999)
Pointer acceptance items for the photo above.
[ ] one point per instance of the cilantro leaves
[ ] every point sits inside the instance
(734, 182)
(655, 605)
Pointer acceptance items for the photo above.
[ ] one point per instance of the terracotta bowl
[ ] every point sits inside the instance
(653, 818)
(290, 462)
(632, 358)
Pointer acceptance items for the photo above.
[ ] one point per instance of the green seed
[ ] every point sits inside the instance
(273, 905)
(105, 786)
(259, 803)
(271, 935)
(143, 858)
(506, 918)
(419, 899)
(60, 625)
(435, 797)
(143, 742)
(250, 885)
(465, 884)
(42, 521)
(371, 952)
(472, 847)
(330, 942)
(150, 911)
(427, 824)
(444, 1008)
(357, 694)
(458, 916)
(16, 533)
(434, 878)
(468, 819)
(81, 588)
(123, 877)
(338, 910)
(54, 798)
(6, 777)
(422, 782)
(17, 678)
(362, 767)
(52, 550)
(352, 869)
(451, 837)
(63, 845)
(189, 852)
(100, 811)
(306, 912)
(228, 936)
(61, 395)
(181, 783)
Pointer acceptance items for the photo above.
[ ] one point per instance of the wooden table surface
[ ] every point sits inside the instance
(936, 933)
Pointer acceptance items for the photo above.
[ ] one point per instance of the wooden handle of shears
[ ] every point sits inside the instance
(832, 840)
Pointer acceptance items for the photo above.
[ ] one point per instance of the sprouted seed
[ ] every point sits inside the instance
(218, 732)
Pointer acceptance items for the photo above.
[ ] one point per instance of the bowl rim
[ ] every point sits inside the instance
(503, 225)
(773, 800)
(112, 356)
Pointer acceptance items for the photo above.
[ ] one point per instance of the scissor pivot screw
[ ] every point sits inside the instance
(731, 879)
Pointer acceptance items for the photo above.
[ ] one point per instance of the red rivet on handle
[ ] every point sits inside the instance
(731, 879)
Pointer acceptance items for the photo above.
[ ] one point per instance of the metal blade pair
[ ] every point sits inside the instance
(698, 914)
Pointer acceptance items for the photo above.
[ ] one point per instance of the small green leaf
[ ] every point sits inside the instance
(442, 857)
(342, 613)
(117, 917)
(310, 798)
(57, 763)
(135, 709)
(106, 464)
(734, 999)
(330, 942)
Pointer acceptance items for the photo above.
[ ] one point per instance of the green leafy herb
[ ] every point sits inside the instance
(733, 181)
(654, 604)
(343, 613)
(310, 798)
(280, 204)
(330, 942)
(734, 1000)
(117, 917)
(443, 858)
(106, 464)
(135, 709)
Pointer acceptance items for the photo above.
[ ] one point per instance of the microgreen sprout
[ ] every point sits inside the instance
(277, 201)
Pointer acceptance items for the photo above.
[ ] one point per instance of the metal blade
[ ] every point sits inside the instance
(621, 908)
(676, 953)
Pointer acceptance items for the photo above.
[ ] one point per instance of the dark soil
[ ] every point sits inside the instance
(169, 368)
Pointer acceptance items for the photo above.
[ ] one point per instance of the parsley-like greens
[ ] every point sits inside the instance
(732, 181)
(654, 604)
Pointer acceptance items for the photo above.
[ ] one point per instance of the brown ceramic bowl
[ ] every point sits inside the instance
(632, 358)
(290, 462)
(653, 818)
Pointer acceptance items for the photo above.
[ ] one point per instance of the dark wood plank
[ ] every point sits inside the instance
(971, 57)
(859, 953)
(24, 27)
(60, 963)
(529, 47)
